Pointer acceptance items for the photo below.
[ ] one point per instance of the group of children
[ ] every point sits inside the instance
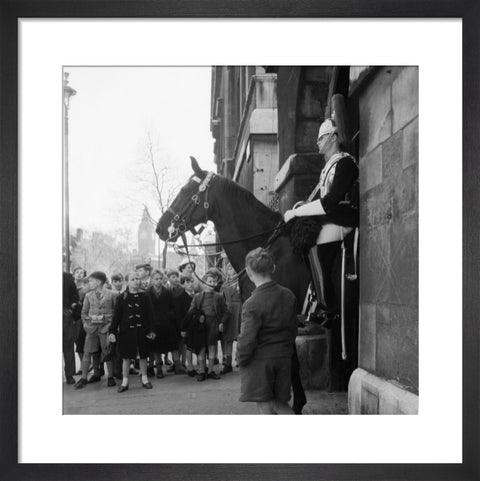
(156, 313)
(135, 321)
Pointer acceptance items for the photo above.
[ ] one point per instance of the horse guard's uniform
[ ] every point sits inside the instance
(337, 191)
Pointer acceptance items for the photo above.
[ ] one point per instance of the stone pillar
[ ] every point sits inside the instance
(231, 119)
(302, 101)
(297, 178)
(388, 338)
(302, 98)
(313, 349)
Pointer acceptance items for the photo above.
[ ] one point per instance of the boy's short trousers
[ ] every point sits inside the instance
(264, 380)
(95, 342)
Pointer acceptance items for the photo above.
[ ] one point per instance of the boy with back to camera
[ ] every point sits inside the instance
(267, 337)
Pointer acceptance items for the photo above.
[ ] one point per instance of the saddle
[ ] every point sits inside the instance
(303, 233)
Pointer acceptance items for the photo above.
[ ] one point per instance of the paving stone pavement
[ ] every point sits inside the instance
(180, 394)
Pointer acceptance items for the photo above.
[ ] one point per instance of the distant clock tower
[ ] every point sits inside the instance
(146, 236)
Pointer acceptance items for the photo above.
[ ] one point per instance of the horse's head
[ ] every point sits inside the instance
(190, 206)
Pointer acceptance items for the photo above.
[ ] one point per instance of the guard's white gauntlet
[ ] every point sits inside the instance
(312, 208)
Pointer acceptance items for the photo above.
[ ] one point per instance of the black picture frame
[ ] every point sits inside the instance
(11, 11)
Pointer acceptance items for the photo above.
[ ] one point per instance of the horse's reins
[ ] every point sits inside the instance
(232, 281)
(242, 239)
(180, 229)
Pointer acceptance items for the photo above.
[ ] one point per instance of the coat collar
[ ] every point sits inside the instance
(267, 285)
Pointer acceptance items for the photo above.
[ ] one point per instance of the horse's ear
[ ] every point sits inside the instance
(196, 168)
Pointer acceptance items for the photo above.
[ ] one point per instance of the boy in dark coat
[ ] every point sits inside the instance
(182, 305)
(70, 300)
(267, 337)
(165, 327)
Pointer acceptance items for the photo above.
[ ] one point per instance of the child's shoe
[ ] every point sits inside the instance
(81, 383)
(226, 369)
(178, 369)
(201, 377)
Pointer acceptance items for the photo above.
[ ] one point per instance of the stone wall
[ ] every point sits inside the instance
(369, 394)
(256, 150)
(313, 350)
(388, 345)
(265, 166)
(297, 178)
(230, 88)
(302, 101)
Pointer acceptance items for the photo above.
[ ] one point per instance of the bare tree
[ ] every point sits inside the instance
(157, 177)
(101, 251)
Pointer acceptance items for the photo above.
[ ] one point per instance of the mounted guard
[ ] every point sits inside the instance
(327, 224)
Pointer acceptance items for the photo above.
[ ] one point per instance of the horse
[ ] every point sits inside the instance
(242, 223)
(238, 216)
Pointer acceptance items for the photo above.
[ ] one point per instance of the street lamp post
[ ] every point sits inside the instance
(67, 93)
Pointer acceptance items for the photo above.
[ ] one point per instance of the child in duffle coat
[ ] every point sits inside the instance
(97, 311)
(215, 315)
(267, 336)
(132, 323)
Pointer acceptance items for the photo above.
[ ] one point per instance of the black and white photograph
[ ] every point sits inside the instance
(246, 210)
(240, 240)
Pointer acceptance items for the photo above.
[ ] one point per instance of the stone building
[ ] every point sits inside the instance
(244, 126)
(265, 122)
(387, 378)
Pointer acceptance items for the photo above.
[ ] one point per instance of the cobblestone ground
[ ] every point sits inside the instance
(180, 394)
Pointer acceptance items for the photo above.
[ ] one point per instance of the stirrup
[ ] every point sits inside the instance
(325, 319)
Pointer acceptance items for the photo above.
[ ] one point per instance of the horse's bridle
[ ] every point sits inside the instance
(178, 225)
(179, 222)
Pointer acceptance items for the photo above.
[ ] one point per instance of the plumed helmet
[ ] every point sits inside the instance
(328, 127)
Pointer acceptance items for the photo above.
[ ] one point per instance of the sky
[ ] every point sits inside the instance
(111, 116)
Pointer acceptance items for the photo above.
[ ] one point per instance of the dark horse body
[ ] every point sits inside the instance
(238, 215)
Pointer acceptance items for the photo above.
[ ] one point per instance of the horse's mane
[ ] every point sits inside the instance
(231, 189)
